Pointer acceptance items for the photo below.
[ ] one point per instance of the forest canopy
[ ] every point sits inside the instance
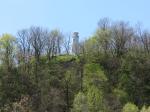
(110, 73)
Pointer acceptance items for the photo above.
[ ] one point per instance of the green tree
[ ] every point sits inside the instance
(134, 78)
(130, 107)
(103, 37)
(7, 50)
(145, 109)
(95, 99)
(80, 103)
(94, 75)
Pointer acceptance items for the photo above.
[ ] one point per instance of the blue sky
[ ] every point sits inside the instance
(70, 15)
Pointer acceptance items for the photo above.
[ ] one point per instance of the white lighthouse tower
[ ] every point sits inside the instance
(75, 45)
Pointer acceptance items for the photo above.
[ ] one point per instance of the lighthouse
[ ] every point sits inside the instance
(75, 45)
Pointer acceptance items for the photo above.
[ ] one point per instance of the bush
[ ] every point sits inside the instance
(130, 107)
(144, 109)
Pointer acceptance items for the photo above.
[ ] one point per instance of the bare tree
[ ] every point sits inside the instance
(66, 43)
(104, 23)
(25, 51)
(146, 42)
(144, 37)
(38, 38)
(121, 33)
(54, 43)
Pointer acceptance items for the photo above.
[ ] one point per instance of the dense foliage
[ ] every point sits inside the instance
(110, 74)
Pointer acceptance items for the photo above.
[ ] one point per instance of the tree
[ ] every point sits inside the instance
(145, 109)
(7, 50)
(91, 47)
(104, 23)
(68, 80)
(144, 37)
(38, 38)
(80, 103)
(54, 43)
(94, 76)
(130, 107)
(67, 41)
(121, 34)
(134, 79)
(95, 99)
(103, 38)
(24, 50)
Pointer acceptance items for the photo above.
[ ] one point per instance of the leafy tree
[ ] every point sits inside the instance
(7, 50)
(144, 109)
(129, 107)
(103, 37)
(93, 75)
(134, 79)
(80, 103)
(95, 99)
(121, 95)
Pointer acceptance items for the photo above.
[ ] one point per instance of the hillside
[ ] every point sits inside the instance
(109, 72)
